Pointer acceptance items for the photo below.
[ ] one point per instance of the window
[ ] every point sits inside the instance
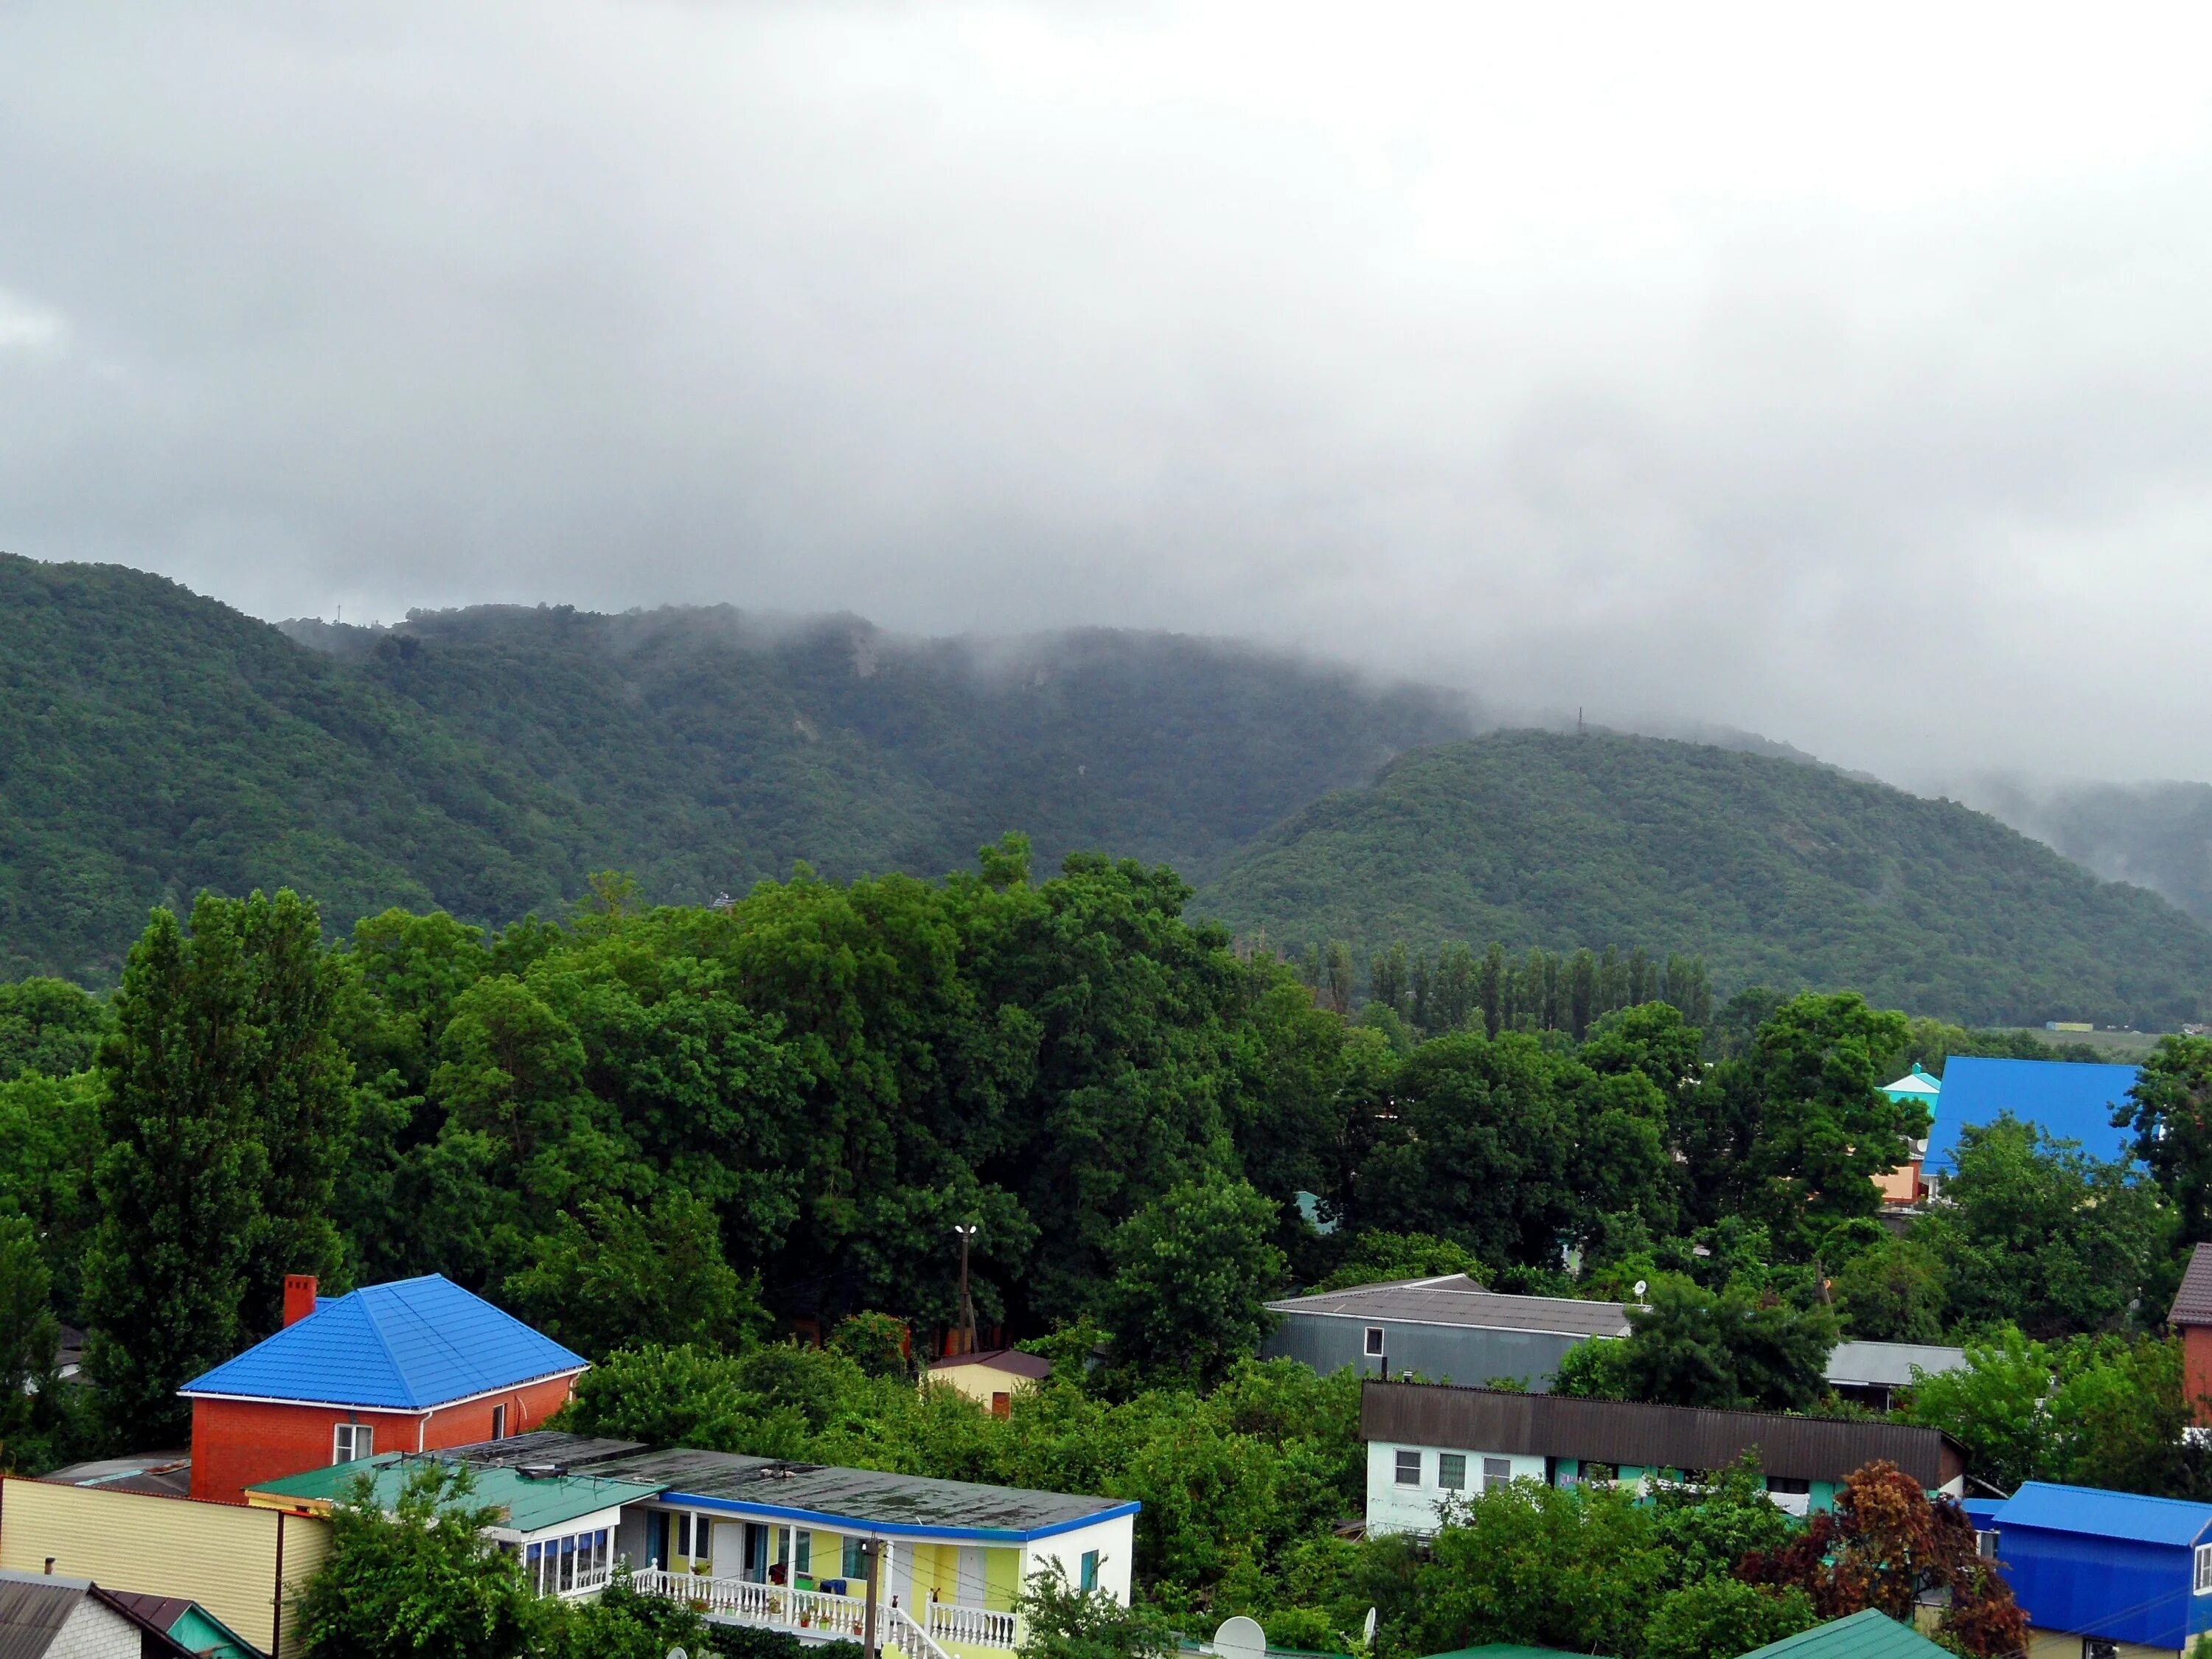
(1374, 1341)
(2100, 1647)
(1985, 1546)
(2204, 1568)
(1409, 1468)
(856, 1565)
(805, 1552)
(1601, 1474)
(1091, 1569)
(1497, 1472)
(576, 1562)
(683, 1537)
(1002, 1405)
(499, 1422)
(352, 1440)
(1789, 1486)
(1451, 1471)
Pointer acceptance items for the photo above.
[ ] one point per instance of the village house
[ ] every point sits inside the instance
(412, 1365)
(2103, 1575)
(990, 1378)
(1432, 1445)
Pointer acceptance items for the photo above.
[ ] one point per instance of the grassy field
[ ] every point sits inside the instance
(2121, 1047)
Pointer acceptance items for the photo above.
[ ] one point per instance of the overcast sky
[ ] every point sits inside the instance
(1849, 380)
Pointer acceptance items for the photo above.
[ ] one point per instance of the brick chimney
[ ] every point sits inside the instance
(298, 1296)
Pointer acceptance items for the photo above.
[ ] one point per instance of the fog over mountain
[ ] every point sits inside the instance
(1843, 381)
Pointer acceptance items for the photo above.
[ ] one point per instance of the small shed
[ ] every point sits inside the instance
(2111, 1568)
(1870, 1373)
(990, 1378)
(45, 1616)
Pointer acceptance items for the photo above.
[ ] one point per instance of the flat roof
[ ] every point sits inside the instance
(1457, 1300)
(530, 1504)
(870, 1497)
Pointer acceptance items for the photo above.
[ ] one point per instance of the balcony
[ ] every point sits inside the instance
(818, 1616)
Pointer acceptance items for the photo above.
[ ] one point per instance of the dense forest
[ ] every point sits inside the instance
(2157, 836)
(673, 1137)
(1773, 873)
(153, 742)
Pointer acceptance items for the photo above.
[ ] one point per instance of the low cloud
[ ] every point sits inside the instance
(1847, 383)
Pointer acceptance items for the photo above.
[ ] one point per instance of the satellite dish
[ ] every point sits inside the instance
(1367, 1629)
(1240, 1637)
(1640, 1288)
(677, 1653)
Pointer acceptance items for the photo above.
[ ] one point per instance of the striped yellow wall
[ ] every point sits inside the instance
(222, 1556)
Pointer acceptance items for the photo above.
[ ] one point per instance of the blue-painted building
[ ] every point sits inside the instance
(2103, 1574)
(2070, 1101)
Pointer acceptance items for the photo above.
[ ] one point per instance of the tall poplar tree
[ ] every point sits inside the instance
(224, 1108)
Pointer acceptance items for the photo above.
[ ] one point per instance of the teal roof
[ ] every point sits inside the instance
(1869, 1635)
(531, 1504)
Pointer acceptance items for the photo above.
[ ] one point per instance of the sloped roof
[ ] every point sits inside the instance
(530, 1504)
(1622, 1432)
(2093, 1512)
(2192, 1304)
(1456, 1299)
(33, 1608)
(1869, 1635)
(1013, 1361)
(1890, 1364)
(1914, 1082)
(2071, 1101)
(406, 1345)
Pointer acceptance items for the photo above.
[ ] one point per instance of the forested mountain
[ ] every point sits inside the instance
(2157, 836)
(1774, 872)
(153, 743)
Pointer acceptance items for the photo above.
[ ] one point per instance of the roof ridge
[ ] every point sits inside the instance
(383, 1342)
(450, 1351)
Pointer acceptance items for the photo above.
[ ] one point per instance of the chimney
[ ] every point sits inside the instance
(298, 1296)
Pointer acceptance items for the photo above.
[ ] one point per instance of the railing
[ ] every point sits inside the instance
(840, 1617)
(980, 1625)
(588, 1582)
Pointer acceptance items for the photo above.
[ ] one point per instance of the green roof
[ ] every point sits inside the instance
(1869, 1635)
(531, 1505)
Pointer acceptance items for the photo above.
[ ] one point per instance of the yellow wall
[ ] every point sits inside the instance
(978, 1383)
(222, 1556)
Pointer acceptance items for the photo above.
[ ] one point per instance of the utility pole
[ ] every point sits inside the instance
(967, 1307)
(871, 1553)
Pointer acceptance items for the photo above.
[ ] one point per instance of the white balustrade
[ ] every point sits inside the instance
(835, 1617)
(982, 1627)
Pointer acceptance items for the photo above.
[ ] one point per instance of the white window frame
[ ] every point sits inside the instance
(1400, 1466)
(1375, 1342)
(1497, 1472)
(2204, 1570)
(351, 1442)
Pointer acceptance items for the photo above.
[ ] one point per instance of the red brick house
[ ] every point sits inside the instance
(414, 1365)
(2192, 1318)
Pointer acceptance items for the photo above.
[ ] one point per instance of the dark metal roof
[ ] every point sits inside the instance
(1013, 1361)
(2192, 1304)
(570, 1451)
(867, 1495)
(33, 1612)
(33, 1608)
(160, 1611)
(1458, 1300)
(1649, 1437)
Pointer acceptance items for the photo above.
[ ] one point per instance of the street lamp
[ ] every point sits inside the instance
(967, 1307)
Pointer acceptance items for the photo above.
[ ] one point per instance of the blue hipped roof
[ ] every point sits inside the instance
(2062, 1098)
(405, 1346)
(2098, 1514)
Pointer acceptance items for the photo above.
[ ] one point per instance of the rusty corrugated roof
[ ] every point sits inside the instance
(1649, 1437)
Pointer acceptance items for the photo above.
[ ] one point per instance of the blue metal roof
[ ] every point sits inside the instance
(2092, 1512)
(2062, 1098)
(403, 1346)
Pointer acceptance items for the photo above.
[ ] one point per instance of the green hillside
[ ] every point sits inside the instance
(153, 743)
(1775, 871)
(2157, 836)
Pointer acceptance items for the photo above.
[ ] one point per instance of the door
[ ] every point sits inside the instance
(974, 1586)
(729, 1542)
